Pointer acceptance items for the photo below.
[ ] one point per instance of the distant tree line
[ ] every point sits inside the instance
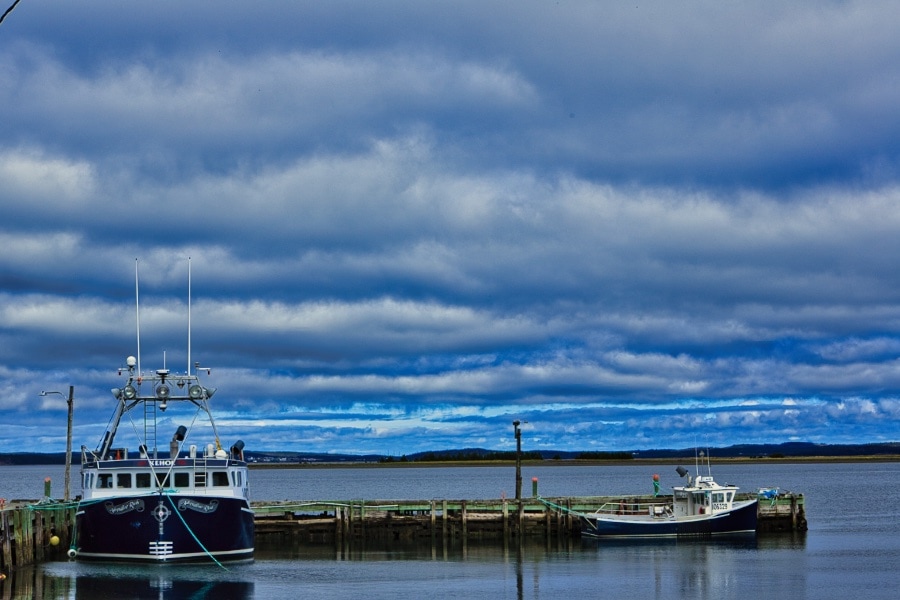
(604, 456)
(462, 456)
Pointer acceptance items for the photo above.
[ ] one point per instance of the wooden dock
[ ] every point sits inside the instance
(504, 519)
(28, 533)
(33, 533)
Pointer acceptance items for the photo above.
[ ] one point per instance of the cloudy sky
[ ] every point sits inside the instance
(632, 225)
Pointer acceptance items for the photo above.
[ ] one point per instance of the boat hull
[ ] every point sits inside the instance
(740, 519)
(164, 528)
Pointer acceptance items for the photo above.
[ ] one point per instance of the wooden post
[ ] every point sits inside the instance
(6, 534)
(444, 519)
(39, 536)
(362, 519)
(465, 528)
(432, 519)
(547, 524)
(793, 512)
(338, 526)
(505, 519)
(559, 524)
(19, 555)
(521, 524)
(518, 434)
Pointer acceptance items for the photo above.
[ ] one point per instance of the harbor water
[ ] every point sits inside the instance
(851, 549)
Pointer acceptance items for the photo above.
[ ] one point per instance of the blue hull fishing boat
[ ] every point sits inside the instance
(700, 509)
(185, 503)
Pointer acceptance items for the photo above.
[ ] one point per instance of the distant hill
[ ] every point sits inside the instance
(786, 450)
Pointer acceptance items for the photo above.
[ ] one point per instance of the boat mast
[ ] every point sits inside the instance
(137, 309)
(189, 319)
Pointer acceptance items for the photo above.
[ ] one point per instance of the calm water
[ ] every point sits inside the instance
(851, 550)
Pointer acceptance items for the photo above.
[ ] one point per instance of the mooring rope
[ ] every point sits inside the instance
(189, 530)
(559, 507)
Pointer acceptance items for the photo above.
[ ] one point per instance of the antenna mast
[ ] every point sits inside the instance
(189, 318)
(137, 309)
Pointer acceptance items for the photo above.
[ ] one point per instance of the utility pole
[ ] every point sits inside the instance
(518, 433)
(70, 402)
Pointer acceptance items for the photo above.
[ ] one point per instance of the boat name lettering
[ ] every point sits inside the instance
(187, 503)
(158, 462)
(125, 507)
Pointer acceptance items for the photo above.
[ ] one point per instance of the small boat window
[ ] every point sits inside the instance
(182, 480)
(162, 479)
(123, 480)
(104, 480)
(220, 478)
(142, 480)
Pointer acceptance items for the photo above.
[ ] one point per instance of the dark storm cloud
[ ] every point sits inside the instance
(411, 223)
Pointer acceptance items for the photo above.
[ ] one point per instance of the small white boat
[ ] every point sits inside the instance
(702, 508)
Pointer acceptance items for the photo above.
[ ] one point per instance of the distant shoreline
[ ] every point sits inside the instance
(885, 458)
(547, 462)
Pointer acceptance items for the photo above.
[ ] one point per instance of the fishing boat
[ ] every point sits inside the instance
(144, 502)
(701, 508)
(189, 503)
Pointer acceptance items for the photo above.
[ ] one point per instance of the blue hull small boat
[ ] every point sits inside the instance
(700, 509)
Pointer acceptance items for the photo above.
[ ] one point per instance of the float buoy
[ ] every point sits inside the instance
(54, 540)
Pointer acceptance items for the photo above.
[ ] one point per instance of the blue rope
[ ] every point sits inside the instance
(186, 526)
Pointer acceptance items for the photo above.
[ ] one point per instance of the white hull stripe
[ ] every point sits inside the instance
(161, 558)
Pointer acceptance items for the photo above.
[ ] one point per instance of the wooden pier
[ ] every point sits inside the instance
(506, 520)
(33, 533)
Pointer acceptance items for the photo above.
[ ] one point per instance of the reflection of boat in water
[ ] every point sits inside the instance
(702, 508)
(189, 504)
(160, 588)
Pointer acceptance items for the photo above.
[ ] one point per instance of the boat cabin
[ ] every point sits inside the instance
(212, 473)
(703, 497)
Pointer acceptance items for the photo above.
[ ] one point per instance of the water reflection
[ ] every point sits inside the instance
(82, 581)
(732, 567)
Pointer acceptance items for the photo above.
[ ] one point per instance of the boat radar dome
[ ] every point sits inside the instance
(131, 361)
